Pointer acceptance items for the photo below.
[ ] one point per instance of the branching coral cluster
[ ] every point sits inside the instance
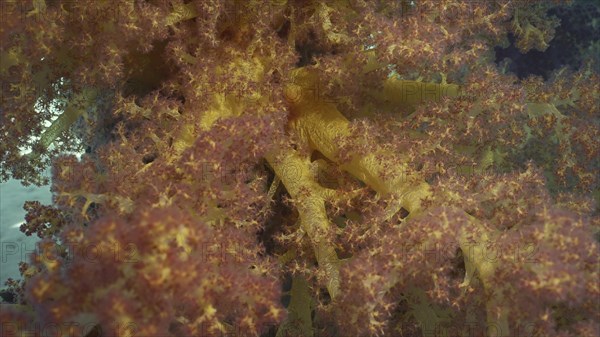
(304, 168)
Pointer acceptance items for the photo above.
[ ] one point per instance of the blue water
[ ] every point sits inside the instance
(14, 245)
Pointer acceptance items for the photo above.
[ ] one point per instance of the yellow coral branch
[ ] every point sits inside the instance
(294, 171)
(76, 108)
(299, 320)
(478, 264)
(181, 13)
(324, 128)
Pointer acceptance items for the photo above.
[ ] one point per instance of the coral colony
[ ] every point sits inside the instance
(299, 168)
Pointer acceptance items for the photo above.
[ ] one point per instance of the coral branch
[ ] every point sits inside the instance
(295, 174)
(324, 128)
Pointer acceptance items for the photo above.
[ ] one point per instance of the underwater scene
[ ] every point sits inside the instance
(300, 168)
